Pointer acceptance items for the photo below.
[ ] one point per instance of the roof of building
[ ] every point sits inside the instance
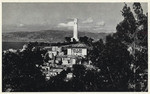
(68, 56)
(78, 45)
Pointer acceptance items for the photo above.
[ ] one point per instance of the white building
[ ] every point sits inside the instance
(78, 49)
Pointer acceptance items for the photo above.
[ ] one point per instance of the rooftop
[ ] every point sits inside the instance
(78, 45)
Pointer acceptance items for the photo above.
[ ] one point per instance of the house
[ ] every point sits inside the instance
(78, 49)
(63, 59)
(52, 51)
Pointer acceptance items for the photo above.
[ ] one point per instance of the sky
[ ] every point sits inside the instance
(92, 17)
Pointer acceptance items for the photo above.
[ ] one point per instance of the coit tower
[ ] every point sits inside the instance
(75, 29)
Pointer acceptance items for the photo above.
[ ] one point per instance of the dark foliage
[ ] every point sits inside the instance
(20, 72)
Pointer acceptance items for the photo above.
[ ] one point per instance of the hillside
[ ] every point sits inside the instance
(46, 36)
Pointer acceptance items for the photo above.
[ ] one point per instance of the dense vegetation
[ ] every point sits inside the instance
(121, 62)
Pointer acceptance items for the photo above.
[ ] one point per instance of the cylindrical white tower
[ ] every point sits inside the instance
(75, 30)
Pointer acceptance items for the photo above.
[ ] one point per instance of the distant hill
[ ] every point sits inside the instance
(46, 36)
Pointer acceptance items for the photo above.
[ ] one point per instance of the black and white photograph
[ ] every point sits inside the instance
(74, 47)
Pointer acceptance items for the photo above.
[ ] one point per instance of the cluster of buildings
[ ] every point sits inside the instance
(59, 58)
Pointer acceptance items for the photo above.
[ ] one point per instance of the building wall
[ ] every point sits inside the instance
(56, 48)
(52, 53)
(84, 51)
(69, 51)
(77, 51)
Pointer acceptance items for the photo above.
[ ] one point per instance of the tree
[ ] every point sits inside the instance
(132, 31)
(119, 65)
(96, 53)
(86, 40)
(141, 48)
(126, 28)
(9, 70)
(116, 63)
(20, 72)
(68, 39)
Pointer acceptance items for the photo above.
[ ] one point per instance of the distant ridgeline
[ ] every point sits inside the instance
(52, 36)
